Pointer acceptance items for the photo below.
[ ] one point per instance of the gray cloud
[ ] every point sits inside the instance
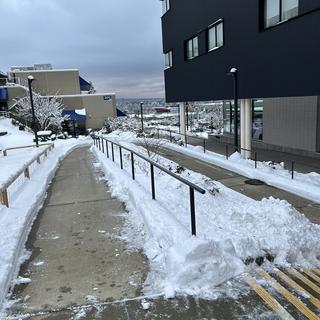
(115, 43)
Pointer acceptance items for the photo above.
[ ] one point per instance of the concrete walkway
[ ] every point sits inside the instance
(81, 269)
(238, 183)
(77, 256)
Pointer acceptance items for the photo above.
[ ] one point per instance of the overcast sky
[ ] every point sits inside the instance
(116, 44)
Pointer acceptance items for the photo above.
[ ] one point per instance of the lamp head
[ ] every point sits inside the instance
(31, 78)
(233, 70)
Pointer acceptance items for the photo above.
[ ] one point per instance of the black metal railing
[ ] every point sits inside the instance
(290, 165)
(187, 137)
(102, 144)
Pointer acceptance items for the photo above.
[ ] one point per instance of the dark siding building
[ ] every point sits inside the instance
(275, 46)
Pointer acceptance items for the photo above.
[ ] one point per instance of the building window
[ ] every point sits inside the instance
(276, 11)
(257, 119)
(215, 36)
(168, 60)
(228, 117)
(165, 6)
(192, 48)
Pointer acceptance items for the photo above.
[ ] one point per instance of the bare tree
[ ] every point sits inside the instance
(153, 146)
(48, 110)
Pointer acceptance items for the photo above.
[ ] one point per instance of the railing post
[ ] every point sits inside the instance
(255, 160)
(5, 153)
(170, 136)
(132, 166)
(227, 152)
(158, 134)
(99, 143)
(152, 182)
(292, 170)
(121, 163)
(26, 172)
(186, 140)
(193, 213)
(112, 149)
(102, 145)
(38, 159)
(107, 147)
(4, 198)
(204, 146)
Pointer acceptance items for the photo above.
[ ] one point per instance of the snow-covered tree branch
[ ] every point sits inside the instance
(48, 110)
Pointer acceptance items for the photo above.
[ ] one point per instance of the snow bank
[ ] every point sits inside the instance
(305, 185)
(16, 221)
(15, 137)
(232, 229)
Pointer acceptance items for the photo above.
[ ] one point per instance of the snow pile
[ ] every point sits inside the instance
(305, 185)
(233, 231)
(16, 221)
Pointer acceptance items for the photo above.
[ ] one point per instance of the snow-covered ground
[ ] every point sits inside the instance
(26, 197)
(232, 229)
(305, 185)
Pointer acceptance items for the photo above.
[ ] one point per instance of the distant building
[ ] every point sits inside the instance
(67, 84)
(274, 45)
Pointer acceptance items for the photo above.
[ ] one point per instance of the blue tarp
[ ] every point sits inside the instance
(73, 115)
(120, 113)
(3, 94)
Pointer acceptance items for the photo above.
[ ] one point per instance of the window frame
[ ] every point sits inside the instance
(210, 27)
(280, 14)
(170, 55)
(187, 58)
(166, 6)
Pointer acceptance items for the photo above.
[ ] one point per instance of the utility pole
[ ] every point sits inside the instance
(34, 124)
(141, 114)
(234, 73)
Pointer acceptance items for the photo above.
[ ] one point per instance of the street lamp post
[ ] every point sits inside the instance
(234, 73)
(30, 79)
(141, 114)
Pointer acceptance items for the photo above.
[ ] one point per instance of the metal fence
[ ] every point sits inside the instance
(171, 135)
(290, 165)
(107, 146)
(25, 171)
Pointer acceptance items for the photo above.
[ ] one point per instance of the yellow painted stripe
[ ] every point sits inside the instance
(289, 296)
(295, 286)
(311, 275)
(268, 299)
(301, 277)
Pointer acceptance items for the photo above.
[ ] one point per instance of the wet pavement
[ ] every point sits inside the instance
(81, 268)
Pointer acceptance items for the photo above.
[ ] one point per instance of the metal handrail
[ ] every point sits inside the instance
(98, 142)
(186, 136)
(255, 153)
(25, 169)
(5, 151)
(181, 134)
